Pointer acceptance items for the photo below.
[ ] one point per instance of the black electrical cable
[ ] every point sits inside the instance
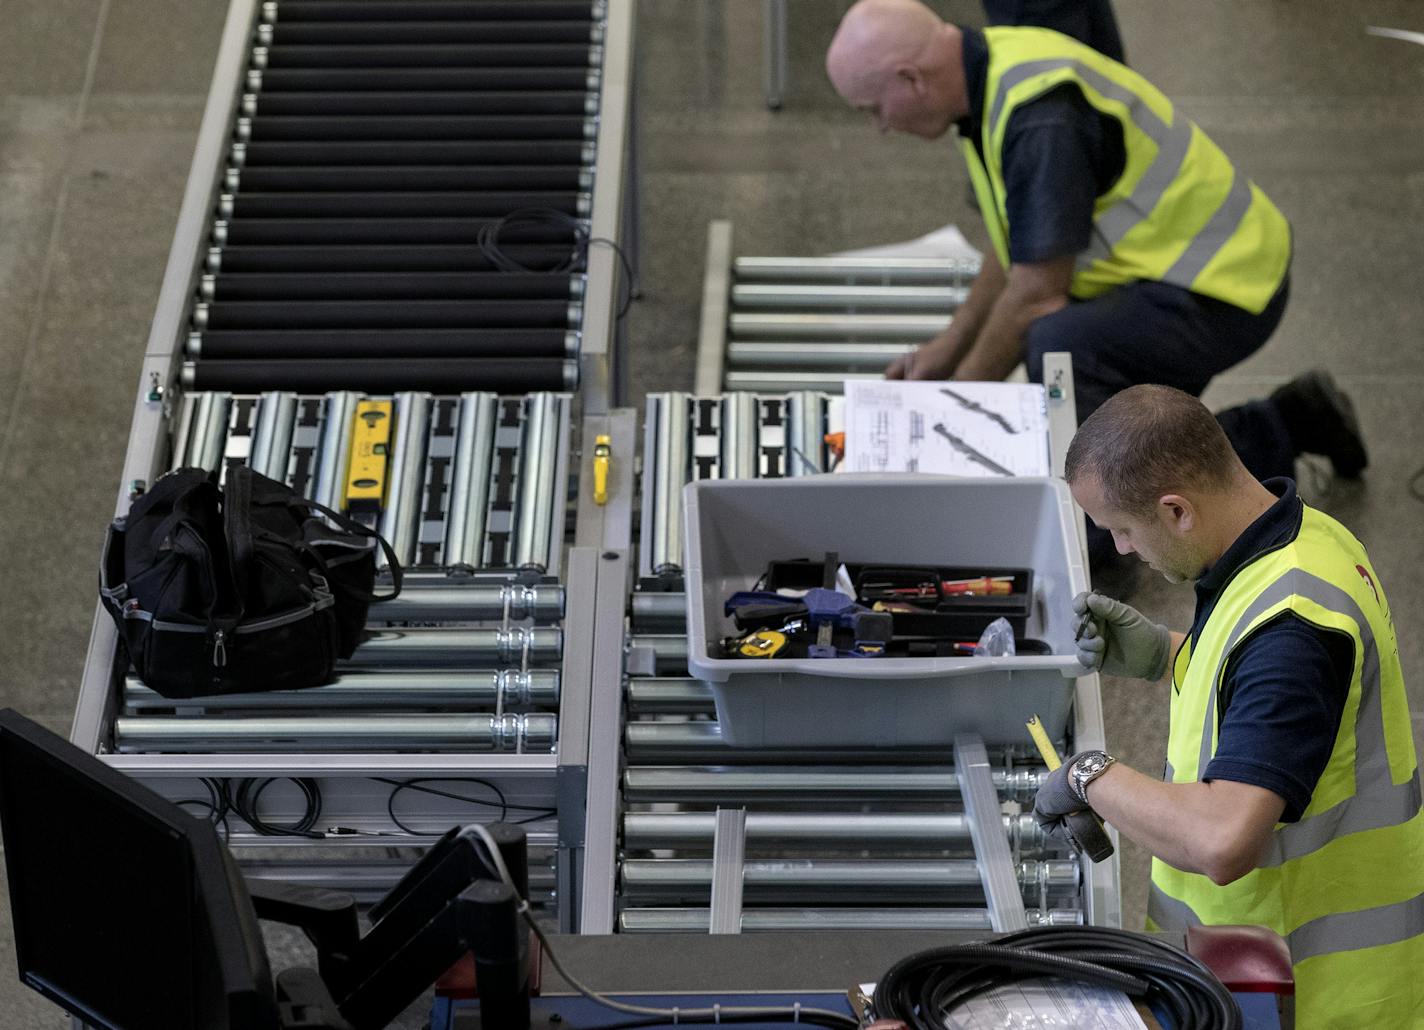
(247, 796)
(923, 989)
(487, 239)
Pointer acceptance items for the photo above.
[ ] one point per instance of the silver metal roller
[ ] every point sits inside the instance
(676, 881)
(469, 493)
(272, 438)
(670, 648)
(539, 510)
(911, 328)
(400, 518)
(470, 602)
(670, 473)
(762, 784)
(447, 691)
(668, 695)
(333, 457)
(456, 648)
(658, 743)
(770, 381)
(305, 734)
(938, 831)
(835, 354)
(854, 269)
(781, 296)
(208, 431)
(655, 611)
(740, 429)
(695, 920)
(805, 434)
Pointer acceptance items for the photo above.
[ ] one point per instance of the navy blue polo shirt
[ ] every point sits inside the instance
(1059, 155)
(1284, 688)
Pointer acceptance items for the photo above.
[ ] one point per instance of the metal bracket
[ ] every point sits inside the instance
(986, 829)
(729, 843)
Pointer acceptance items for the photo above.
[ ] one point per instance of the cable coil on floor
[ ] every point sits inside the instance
(924, 989)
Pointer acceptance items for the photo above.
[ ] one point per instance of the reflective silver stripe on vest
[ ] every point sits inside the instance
(1167, 912)
(1378, 801)
(1173, 141)
(1351, 931)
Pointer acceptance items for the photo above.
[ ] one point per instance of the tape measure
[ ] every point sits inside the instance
(370, 448)
(766, 643)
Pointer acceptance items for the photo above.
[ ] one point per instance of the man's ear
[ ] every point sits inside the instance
(1177, 512)
(909, 74)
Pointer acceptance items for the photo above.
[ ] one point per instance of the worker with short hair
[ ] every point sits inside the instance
(1120, 232)
(1291, 796)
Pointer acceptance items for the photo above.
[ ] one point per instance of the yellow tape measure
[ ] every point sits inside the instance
(370, 449)
(766, 643)
(1045, 746)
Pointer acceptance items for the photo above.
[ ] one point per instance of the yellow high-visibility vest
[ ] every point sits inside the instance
(1344, 885)
(1180, 213)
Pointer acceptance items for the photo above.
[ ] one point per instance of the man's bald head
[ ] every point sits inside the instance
(896, 60)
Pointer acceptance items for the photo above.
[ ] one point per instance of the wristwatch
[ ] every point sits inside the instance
(1086, 768)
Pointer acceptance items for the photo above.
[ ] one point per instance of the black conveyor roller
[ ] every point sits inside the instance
(567, 102)
(392, 286)
(376, 79)
(344, 344)
(404, 32)
(431, 10)
(385, 230)
(516, 55)
(428, 152)
(383, 259)
(445, 177)
(491, 127)
(444, 204)
(450, 375)
(381, 314)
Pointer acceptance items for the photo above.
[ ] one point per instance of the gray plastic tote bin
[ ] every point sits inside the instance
(735, 527)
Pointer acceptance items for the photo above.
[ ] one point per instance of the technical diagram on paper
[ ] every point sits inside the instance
(1048, 1004)
(949, 428)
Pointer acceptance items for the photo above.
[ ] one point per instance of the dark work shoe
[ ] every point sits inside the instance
(1321, 420)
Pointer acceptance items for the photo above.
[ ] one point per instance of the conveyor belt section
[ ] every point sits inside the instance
(875, 839)
(473, 481)
(373, 145)
(814, 322)
(731, 436)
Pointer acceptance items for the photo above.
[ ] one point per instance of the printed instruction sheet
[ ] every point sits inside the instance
(1047, 1005)
(949, 428)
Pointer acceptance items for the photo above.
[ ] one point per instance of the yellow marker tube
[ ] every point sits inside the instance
(602, 452)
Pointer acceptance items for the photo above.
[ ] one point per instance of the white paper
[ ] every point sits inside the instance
(946, 242)
(948, 428)
(1048, 1004)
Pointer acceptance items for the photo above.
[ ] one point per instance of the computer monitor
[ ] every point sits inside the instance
(129, 912)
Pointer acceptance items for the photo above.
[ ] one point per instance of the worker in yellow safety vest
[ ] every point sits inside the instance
(1120, 232)
(1290, 797)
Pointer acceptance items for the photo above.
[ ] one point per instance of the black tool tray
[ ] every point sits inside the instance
(951, 616)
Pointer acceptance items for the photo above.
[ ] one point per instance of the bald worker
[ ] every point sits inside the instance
(1121, 233)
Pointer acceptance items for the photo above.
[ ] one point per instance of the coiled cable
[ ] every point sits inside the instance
(923, 989)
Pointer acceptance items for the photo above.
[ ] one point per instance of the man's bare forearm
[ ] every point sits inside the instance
(1030, 292)
(970, 317)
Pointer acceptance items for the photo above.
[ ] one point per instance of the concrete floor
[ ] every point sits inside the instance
(100, 101)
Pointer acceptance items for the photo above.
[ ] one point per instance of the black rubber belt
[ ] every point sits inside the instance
(390, 286)
(380, 314)
(507, 55)
(404, 32)
(442, 204)
(426, 102)
(339, 178)
(431, 10)
(344, 344)
(417, 152)
(315, 231)
(373, 80)
(503, 127)
(383, 259)
(447, 375)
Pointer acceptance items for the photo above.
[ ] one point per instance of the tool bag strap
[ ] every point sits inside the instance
(351, 526)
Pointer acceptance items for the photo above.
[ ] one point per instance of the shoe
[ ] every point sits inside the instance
(1321, 420)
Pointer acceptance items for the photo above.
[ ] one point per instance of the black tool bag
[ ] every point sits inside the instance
(237, 590)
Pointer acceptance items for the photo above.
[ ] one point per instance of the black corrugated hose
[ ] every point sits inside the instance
(924, 988)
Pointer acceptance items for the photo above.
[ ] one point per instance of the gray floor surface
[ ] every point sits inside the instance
(100, 101)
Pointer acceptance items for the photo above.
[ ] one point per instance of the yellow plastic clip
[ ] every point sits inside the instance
(602, 452)
(1045, 746)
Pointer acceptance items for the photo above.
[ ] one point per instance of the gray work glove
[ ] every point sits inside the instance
(1119, 640)
(1060, 812)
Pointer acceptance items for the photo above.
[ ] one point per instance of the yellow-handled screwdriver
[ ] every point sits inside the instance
(1084, 830)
